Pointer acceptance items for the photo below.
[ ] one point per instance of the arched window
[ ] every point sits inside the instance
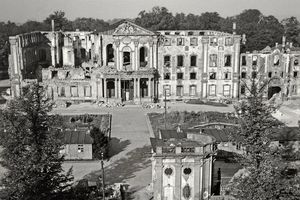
(143, 57)
(109, 53)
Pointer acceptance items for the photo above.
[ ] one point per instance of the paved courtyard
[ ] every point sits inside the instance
(130, 162)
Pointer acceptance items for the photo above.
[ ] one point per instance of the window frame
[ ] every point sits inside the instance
(229, 90)
(177, 74)
(180, 41)
(178, 56)
(226, 59)
(210, 90)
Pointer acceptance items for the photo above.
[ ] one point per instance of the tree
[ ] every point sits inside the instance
(31, 144)
(158, 19)
(260, 30)
(61, 22)
(90, 24)
(265, 165)
(100, 143)
(292, 30)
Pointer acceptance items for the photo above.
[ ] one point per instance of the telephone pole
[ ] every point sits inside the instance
(165, 109)
(103, 180)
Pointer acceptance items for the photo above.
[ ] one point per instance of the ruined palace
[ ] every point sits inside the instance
(279, 65)
(127, 63)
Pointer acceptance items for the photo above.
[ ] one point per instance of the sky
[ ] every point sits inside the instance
(20, 11)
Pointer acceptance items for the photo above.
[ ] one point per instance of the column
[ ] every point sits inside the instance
(149, 87)
(151, 54)
(104, 89)
(116, 54)
(138, 88)
(177, 192)
(116, 88)
(134, 88)
(205, 41)
(100, 89)
(155, 54)
(119, 88)
(204, 89)
(136, 57)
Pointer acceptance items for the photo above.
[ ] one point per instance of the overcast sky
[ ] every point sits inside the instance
(24, 10)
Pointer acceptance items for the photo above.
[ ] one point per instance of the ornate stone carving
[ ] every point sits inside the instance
(126, 40)
(128, 28)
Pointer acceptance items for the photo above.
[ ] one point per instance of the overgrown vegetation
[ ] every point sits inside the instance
(31, 146)
(267, 170)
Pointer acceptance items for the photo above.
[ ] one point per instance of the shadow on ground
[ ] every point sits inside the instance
(116, 146)
(124, 168)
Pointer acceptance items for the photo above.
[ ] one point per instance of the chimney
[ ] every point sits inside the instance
(283, 41)
(52, 25)
(291, 44)
(234, 28)
(276, 44)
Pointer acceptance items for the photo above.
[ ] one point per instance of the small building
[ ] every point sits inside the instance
(182, 166)
(78, 145)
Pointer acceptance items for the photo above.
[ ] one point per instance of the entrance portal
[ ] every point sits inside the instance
(127, 90)
(273, 90)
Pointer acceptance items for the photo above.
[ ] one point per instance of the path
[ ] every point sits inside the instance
(130, 139)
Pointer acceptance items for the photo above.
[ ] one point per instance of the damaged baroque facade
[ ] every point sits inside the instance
(279, 65)
(127, 63)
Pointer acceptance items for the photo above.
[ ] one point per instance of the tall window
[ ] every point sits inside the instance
(244, 61)
(243, 89)
(212, 90)
(180, 61)
(61, 92)
(87, 91)
(226, 90)
(167, 61)
(243, 74)
(193, 90)
(179, 90)
(167, 90)
(143, 57)
(227, 60)
(74, 91)
(193, 61)
(213, 60)
(180, 42)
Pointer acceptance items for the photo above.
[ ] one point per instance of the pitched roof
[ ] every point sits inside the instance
(77, 137)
